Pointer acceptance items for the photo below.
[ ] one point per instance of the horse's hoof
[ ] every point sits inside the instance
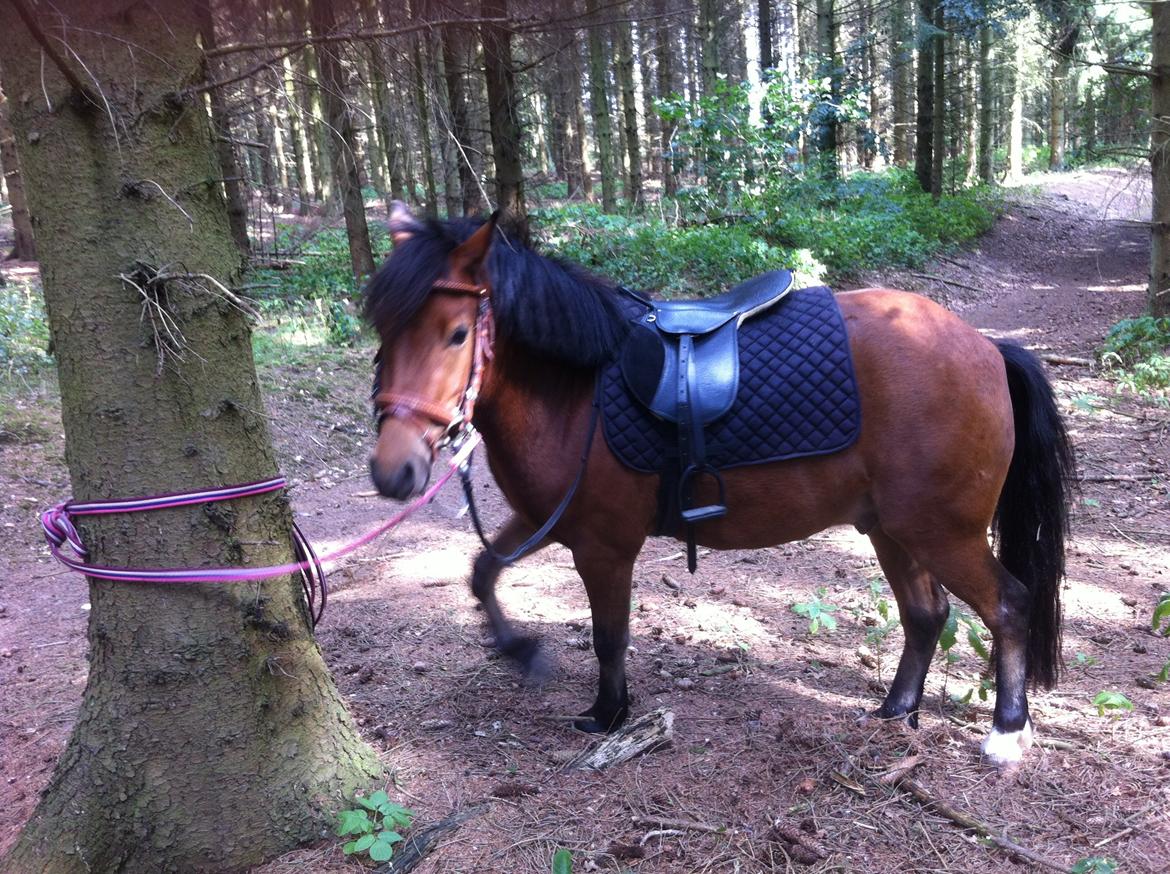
(1006, 748)
(591, 722)
(529, 655)
(906, 717)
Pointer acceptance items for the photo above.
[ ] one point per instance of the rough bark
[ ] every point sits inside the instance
(625, 75)
(502, 111)
(599, 100)
(343, 145)
(924, 122)
(25, 247)
(221, 128)
(1160, 162)
(210, 735)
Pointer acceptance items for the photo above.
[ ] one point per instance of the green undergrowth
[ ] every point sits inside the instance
(1137, 353)
(24, 331)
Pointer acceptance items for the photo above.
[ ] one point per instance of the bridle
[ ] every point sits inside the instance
(453, 421)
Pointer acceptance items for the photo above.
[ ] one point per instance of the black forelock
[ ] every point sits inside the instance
(554, 308)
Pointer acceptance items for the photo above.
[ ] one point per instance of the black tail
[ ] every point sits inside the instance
(1031, 519)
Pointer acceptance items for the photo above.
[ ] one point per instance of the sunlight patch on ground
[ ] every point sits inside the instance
(1134, 286)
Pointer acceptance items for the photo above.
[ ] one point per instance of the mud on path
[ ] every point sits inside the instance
(766, 714)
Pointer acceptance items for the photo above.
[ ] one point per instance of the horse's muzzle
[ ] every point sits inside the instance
(406, 481)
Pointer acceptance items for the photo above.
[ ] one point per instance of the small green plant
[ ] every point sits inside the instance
(1085, 661)
(1138, 353)
(818, 612)
(1094, 865)
(1160, 620)
(975, 632)
(877, 630)
(1111, 702)
(562, 862)
(374, 822)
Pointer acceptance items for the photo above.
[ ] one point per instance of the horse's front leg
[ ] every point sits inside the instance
(524, 650)
(607, 580)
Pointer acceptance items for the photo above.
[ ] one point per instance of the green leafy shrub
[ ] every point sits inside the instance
(818, 612)
(651, 254)
(374, 824)
(24, 331)
(1111, 702)
(1138, 353)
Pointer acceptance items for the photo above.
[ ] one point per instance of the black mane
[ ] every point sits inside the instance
(553, 308)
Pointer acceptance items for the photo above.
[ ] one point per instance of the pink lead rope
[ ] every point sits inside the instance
(59, 530)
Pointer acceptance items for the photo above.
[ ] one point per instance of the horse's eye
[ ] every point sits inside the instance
(458, 336)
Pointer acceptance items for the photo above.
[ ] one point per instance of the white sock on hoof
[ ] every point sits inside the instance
(1007, 747)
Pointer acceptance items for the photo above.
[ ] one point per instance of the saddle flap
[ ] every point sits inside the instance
(710, 314)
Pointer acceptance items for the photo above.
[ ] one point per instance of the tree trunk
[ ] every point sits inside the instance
(939, 123)
(422, 104)
(901, 95)
(25, 248)
(210, 735)
(664, 57)
(599, 99)
(709, 11)
(1065, 44)
(221, 129)
(625, 75)
(764, 23)
(827, 68)
(986, 97)
(1160, 162)
(579, 151)
(343, 146)
(1016, 123)
(646, 58)
(502, 111)
(383, 122)
(306, 191)
(454, 75)
(924, 123)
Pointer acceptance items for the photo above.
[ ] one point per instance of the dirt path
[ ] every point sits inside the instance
(766, 713)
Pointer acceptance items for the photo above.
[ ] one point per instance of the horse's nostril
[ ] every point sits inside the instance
(404, 482)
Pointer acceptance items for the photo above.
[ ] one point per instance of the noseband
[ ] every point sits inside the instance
(453, 422)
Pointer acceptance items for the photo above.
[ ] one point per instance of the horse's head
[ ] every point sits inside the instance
(431, 365)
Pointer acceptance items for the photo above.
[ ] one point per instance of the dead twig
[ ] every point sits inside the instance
(1067, 359)
(678, 824)
(966, 821)
(415, 848)
(644, 734)
(945, 281)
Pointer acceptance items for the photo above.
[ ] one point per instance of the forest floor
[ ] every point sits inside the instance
(770, 768)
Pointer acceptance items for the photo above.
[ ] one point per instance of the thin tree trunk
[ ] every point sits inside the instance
(666, 86)
(308, 94)
(901, 93)
(709, 11)
(986, 98)
(278, 151)
(924, 126)
(211, 736)
(1159, 295)
(343, 146)
(1016, 123)
(646, 58)
(764, 23)
(1058, 83)
(625, 75)
(599, 99)
(578, 149)
(25, 248)
(306, 191)
(502, 111)
(453, 72)
(939, 123)
(229, 168)
(422, 104)
(827, 123)
(383, 122)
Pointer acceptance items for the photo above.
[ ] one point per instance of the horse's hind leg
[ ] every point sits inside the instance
(607, 580)
(969, 570)
(525, 650)
(922, 607)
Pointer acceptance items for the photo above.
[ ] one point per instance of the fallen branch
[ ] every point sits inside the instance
(1115, 478)
(1067, 359)
(945, 281)
(416, 847)
(678, 824)
(646, 733)
(965, 820)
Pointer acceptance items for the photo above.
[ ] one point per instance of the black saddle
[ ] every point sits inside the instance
(682, 362)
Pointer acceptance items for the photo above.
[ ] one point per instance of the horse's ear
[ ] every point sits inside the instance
(470, 255)
(403, 224)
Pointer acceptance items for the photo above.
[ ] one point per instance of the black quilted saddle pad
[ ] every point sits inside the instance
(797, 394)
